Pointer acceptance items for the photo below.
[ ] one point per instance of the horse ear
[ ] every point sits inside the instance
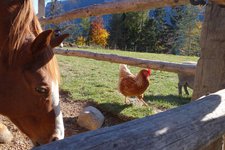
(41, 41)
(56, 41)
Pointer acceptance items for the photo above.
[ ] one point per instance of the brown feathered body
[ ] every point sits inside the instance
(133, 85)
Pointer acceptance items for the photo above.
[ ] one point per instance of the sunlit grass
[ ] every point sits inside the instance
(97, 81)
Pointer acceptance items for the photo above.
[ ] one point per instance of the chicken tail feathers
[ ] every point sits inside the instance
(124, 71)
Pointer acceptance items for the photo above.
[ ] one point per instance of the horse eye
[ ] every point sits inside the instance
(41, 90)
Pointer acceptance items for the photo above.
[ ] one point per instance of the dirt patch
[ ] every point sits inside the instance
(71, 110)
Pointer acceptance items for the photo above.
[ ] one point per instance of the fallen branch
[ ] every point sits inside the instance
(112, 8)
(153, 64)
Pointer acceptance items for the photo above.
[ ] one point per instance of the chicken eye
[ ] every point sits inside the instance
(41, 90)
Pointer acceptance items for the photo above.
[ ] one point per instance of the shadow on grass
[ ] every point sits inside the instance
(171, 99)
(65, 93)
(115, 109)
(108, 109)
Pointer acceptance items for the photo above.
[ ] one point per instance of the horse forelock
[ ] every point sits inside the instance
(52, 68)
(20, 28)
(26, 24)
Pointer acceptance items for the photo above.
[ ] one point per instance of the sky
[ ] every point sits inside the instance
(35, 5)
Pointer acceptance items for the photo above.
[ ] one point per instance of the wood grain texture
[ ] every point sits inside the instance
(210, 74)
(189, 127)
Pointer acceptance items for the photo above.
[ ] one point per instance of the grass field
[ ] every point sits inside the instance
(87, 79)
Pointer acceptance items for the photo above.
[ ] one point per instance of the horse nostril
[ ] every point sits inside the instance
(36, 144)
(55, 139)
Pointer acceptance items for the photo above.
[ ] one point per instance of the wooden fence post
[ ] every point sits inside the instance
(41, 8)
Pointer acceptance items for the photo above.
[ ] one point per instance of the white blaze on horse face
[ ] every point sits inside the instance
(59, 130)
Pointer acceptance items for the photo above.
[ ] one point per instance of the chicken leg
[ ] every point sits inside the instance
(140, 98)
(126, 100)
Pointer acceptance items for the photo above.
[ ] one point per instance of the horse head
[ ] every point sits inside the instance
(29, 76)
(29, 89)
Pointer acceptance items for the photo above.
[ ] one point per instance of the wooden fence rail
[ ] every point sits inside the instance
(115, 7)
(189, 127)
(153, 64)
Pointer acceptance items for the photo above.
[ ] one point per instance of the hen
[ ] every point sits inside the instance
(133, 85)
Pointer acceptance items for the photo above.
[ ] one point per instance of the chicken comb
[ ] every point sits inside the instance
(149, 71)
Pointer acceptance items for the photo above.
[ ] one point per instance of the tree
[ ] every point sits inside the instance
(148, 37)
(115, 31)
(98, 34)
(132, 26)
(80, 41)
(188, 30)
(165, 31)
(191, 46)
(126, 28)
(160, 31)
(85, 27)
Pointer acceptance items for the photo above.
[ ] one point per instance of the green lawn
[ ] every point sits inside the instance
(87, 79)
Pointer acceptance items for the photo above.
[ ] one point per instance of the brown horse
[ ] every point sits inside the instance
(29, 77)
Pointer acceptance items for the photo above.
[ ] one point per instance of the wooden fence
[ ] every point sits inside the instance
(112, 8)
(115, 7)
(192, 126)
(153, 64)
(189, 127)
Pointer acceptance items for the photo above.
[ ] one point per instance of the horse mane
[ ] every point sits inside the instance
(27, 23)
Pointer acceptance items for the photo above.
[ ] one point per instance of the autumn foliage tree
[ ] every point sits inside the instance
(80, 41)
(98, 34)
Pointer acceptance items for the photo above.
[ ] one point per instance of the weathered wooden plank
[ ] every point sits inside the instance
(153, 64)
(189, 127)
(211, 65)
(112, 8)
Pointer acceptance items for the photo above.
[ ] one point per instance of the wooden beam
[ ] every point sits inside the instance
(192, 126)
(153, 64)
(112, 8)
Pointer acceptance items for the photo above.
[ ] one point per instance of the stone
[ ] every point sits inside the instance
(5, 135)
(90, 118)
